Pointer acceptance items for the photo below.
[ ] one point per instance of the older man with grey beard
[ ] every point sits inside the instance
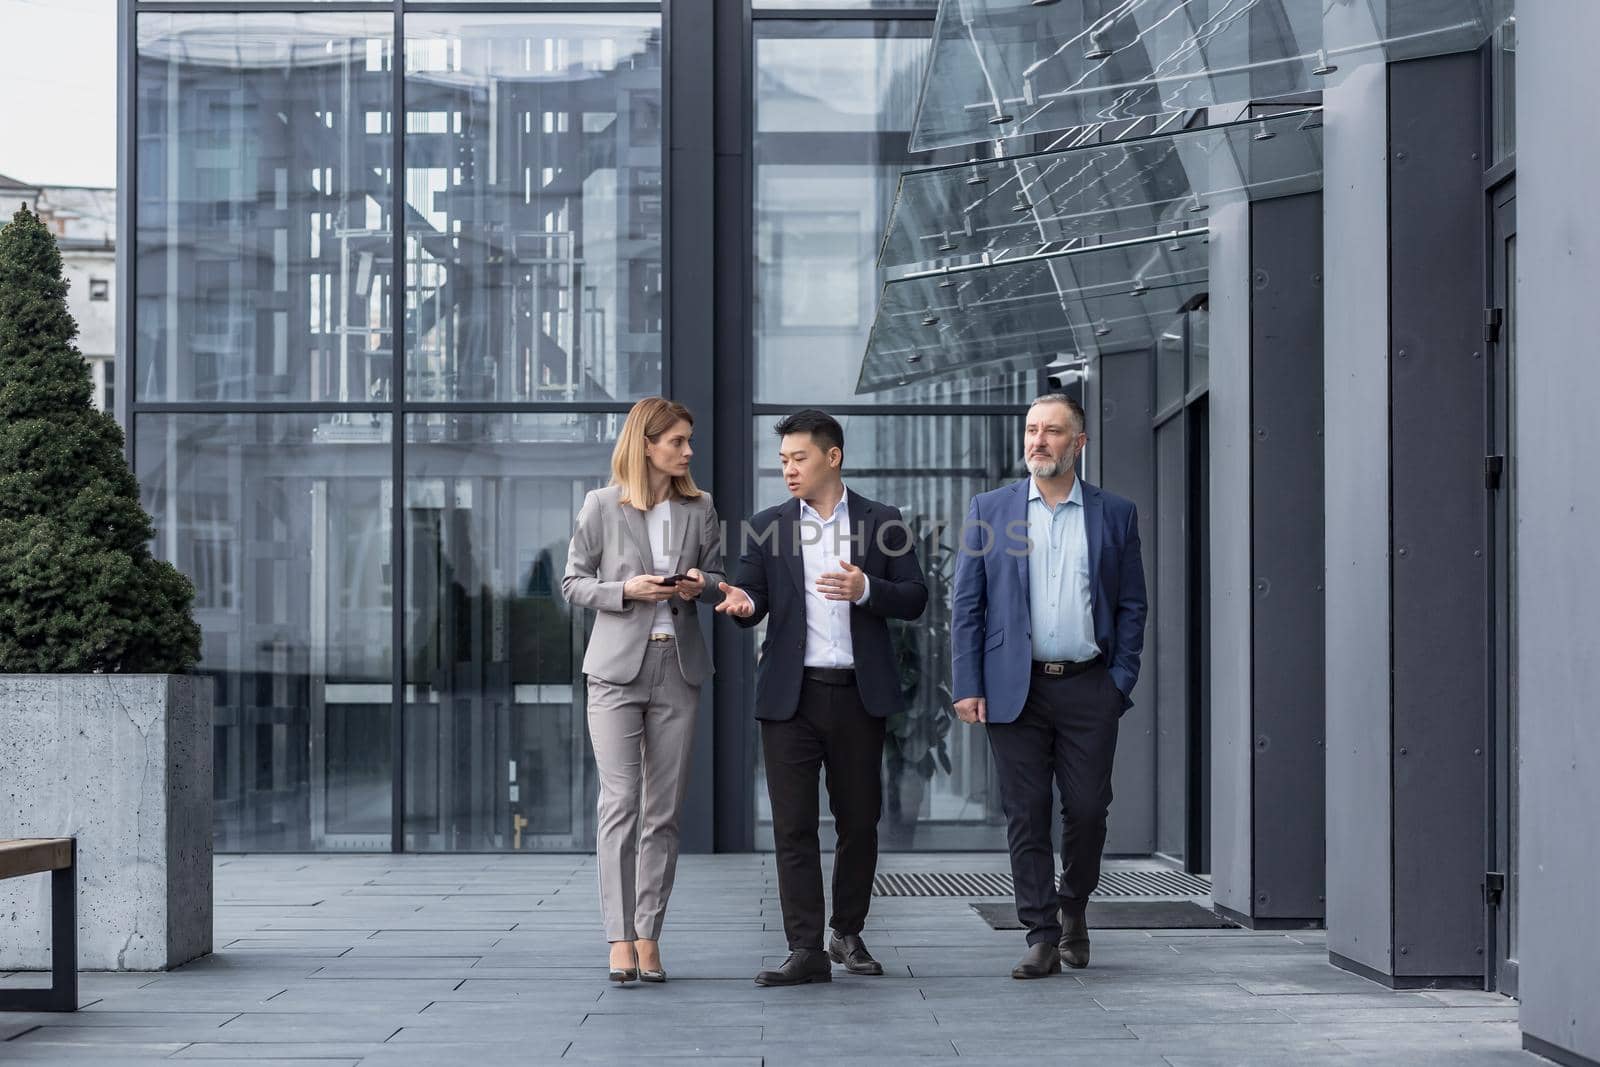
(1047, 628)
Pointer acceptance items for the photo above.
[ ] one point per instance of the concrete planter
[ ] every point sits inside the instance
(122, 763)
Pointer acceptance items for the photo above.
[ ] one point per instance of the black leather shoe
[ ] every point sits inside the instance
(803, 965)
(851, 951)
(1075, 941)
(1041, 960)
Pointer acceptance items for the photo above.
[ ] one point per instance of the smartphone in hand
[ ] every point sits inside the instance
(674, 579)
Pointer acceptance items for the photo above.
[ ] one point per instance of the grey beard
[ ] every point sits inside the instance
(1045, 468)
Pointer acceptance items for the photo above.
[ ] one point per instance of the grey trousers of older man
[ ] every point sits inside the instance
(643, 733)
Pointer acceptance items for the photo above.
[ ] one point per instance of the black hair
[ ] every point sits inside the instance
(824, 429)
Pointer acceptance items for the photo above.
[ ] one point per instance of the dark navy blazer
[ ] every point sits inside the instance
(772, 571)
(991, 634)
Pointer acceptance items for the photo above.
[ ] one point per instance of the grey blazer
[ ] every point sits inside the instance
(611, 545)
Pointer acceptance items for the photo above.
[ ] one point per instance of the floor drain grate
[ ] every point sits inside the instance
(1113, 884)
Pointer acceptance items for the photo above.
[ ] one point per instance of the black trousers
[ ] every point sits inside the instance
(830, 731)
(1066, 734)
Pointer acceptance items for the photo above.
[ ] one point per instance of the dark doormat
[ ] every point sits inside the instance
(1122, 915)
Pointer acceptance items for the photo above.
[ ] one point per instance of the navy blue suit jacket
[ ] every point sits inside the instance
(772, 571)
(991, 632)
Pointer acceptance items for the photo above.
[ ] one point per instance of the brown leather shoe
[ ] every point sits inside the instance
(851, 951)
(1075, 940)
(1041, 960)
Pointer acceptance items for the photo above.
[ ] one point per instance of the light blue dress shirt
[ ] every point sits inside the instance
(1058, 577)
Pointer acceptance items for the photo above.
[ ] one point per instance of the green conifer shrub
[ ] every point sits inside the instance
(79, 590)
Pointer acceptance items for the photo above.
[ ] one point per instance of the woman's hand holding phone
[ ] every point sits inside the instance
(647, 587)
(689, 584)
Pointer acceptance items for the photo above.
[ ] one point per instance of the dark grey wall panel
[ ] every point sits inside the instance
(728, 234)
(1286, 547)
(1558, 525)
(1166, 548)
(1127, 467)
(1437, 405)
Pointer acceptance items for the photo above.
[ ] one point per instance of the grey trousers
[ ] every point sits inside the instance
(642, 733)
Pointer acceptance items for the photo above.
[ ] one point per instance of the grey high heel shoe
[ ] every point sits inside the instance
(657, 975)
(623, 975)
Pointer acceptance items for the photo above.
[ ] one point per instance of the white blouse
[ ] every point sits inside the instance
(658, 524)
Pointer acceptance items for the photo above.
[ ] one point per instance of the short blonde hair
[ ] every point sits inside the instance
(630, 467)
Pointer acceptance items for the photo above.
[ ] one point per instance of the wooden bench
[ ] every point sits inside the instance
(59, 857)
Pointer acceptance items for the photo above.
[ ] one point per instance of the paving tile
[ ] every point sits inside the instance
(297, 1051)
(499, 959)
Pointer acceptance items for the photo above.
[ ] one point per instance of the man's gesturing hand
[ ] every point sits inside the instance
(735, 601)
(848, 583)
(972, 709)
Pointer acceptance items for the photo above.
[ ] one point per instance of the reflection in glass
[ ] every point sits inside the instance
(496, 749)
(262, 215)
(939, 791)
(1118, 189)
(833, 107)
(799, 6)
(1012, 68)
(1171, 366)
(1046, 312)
(1200, 349)
(282, 522)
(533, 207)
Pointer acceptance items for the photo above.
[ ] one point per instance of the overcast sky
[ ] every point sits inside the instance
(58, 91)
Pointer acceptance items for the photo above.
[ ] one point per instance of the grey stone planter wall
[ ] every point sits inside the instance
(122, 763)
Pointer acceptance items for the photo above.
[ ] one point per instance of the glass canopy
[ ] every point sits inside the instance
(1120, 188)
(1011, 68)
(1033, 311)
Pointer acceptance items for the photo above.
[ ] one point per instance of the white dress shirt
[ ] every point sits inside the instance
(658, 524)
(823, 543)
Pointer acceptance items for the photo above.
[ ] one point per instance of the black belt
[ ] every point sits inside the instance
(1064, 668)
(830, 675)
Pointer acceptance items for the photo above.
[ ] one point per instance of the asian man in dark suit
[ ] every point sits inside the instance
(827, 569)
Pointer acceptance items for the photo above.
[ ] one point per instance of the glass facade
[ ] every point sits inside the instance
(396, 278)
(533, 207)
(496, 749)
(263, 244)
(283, 523)
(833, 108)
(275, 414)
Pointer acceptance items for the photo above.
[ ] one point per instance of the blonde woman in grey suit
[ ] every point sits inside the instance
(647, 549)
